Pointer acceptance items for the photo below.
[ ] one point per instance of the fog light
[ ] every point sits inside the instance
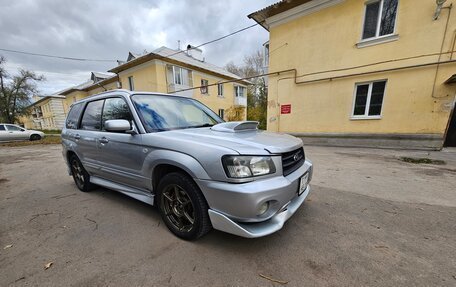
(263, 208)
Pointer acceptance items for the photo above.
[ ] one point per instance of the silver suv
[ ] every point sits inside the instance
(176, 153)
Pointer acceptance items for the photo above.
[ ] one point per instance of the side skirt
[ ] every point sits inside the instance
(127, 190)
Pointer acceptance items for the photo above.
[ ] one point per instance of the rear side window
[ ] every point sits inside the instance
(73, 116)
(13, 128)
(116, 109)
(91, 120)
(2, 127)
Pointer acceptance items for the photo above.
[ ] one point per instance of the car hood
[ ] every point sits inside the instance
(244, 142)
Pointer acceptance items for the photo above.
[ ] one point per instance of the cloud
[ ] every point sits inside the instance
(109, 29)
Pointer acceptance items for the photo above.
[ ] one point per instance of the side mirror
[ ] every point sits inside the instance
(117, 126)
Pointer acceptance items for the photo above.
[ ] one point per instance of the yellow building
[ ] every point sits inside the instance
(356, 72)
(97, 83)
(46, 113)
(185, 73)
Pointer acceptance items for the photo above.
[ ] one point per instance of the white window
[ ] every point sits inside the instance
(239, 91)
(177, 75)
(221, 113)
(369, 99)
(131, 84)
(204, 86)
(220, 89)
(379, 18)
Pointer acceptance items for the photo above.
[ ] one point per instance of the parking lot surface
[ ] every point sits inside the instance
(371, 219)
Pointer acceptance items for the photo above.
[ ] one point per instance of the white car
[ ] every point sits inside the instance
(9, 132)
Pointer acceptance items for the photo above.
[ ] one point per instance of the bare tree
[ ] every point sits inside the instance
(257, 91)
(15, 92)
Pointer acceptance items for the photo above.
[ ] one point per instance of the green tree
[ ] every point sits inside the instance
(16, 92)
(257, 94)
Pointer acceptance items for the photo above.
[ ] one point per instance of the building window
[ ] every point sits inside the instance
(204, 84)
(131, 84)
(369, 99)
(177, 75)
(239, 91)
(379, 18)
(220, 89)
(221, 113)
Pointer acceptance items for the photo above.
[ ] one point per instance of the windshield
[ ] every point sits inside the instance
(163, 113)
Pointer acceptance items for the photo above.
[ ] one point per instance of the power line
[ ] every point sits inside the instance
(334, 70)
(57, 57)
(215, 40)
(107, 60)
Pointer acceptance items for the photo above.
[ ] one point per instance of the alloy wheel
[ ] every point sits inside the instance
(178, 208)
(78, 174)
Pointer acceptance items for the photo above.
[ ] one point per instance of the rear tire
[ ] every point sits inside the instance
(35, 137)
(80, 175)
(182, 206)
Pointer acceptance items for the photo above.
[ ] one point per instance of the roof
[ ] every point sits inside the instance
(87, 85)
(176, 56)
(45, 98)
(102, 75)
(260, 16)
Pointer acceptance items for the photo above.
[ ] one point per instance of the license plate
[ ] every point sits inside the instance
(303, 183)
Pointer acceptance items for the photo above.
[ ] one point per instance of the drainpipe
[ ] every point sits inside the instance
(441, 50)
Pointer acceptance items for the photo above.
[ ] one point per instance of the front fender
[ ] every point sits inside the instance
(180, 160)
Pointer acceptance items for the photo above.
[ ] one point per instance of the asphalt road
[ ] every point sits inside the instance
(370, 220)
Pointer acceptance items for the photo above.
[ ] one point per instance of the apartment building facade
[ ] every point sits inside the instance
(46, 113)
(362, 73)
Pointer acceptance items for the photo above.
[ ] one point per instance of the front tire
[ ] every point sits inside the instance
(182, 206)
(35, 137)
(80, 175)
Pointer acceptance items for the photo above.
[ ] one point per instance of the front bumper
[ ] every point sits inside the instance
(233, 208)
(253, 230)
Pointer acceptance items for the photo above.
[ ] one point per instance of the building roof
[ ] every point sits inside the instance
(89, 84)
(170, 55)
(260, 16)
(45, 98)
(102, 75)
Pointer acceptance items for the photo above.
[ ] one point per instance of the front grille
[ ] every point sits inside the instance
(292, 160)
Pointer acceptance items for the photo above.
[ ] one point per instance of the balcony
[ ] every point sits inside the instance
(240, 101)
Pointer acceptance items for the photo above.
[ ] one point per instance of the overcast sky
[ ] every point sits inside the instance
(109, 29)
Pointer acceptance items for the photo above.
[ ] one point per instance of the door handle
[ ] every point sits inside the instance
(104, 140)
(77, 136)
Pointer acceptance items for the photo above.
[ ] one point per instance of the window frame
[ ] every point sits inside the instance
(131, 83)
(79, 117)
(133, 123)
(379, 21)
(220, 88)
(238, 87)
(204, 87)
(84, 110)
(368, 101)
(11, 125)
(221, 113)
(180, 75)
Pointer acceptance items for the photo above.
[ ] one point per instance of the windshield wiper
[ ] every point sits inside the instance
(199, 126)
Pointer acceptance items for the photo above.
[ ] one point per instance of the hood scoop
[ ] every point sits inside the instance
(236, 127)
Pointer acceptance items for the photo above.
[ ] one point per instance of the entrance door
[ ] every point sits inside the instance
(451, 133)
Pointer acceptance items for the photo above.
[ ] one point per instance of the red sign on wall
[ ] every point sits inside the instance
(285, 109)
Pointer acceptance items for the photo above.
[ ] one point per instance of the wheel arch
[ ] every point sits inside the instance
(160, 162)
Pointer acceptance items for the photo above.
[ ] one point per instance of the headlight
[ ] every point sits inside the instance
(248, 166)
